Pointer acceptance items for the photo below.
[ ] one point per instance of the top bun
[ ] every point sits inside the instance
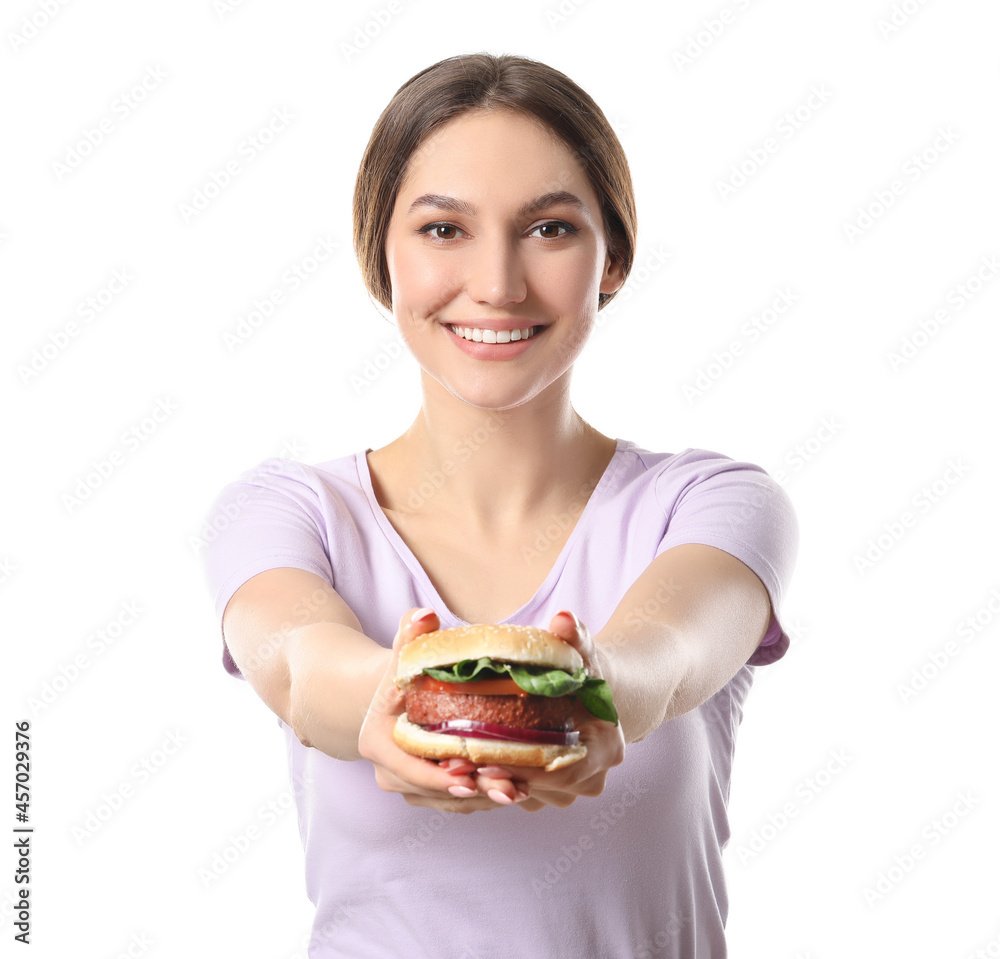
(503, 642)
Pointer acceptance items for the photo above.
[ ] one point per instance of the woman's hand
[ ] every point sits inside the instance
(444, 785)
(604, 741)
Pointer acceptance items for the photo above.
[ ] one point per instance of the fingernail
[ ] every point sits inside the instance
(422, 613)
(566, 612)
(499, 797)
(462, 792)
(494, 772)
(519, 796)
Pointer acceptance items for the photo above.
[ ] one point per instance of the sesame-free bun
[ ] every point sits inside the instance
(503, 642)
(419, 742)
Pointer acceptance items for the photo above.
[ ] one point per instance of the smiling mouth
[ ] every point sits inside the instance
(476, 335)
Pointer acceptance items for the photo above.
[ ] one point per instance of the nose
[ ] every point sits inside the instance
(496, 274)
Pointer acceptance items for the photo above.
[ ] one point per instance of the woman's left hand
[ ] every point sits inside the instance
(604, 741)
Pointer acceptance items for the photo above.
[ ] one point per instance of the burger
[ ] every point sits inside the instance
(496, 694)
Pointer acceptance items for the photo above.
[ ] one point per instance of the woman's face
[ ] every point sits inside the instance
(496, 227)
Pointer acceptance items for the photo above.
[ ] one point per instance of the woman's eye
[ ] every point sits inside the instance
(440, 231)
(554, 229)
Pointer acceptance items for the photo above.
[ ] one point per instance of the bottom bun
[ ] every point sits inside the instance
(419, 742)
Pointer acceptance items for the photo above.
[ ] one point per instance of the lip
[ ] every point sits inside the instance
(494, 351)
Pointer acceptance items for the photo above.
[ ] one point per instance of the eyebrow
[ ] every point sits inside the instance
(453, 205)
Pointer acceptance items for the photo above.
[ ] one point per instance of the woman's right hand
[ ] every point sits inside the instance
(446, 785)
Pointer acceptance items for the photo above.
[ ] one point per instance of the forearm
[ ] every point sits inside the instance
(682, 631)
(660, 672)
(645, 669)
(334, 671)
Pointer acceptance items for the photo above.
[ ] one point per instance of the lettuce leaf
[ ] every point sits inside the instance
(594, 694)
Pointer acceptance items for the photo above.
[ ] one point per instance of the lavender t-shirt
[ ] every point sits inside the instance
(634, 872)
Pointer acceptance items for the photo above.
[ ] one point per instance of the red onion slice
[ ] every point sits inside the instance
(475, 730)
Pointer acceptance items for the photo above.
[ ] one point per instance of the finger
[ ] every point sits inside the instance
(414, 775)
(388, 699)
(558, 799)
(566, 626)
(413, 623)
(571, 630)
(451, 805)
(457, 767)
(501, 791)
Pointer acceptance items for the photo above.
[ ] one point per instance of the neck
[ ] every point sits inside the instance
(495, 470)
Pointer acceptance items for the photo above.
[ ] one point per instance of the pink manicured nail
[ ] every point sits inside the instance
(499, 797)
(566, 612)
(422, 613)
(495, 772)
(520, 796)
(462, 792)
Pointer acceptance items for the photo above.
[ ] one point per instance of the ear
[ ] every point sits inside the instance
(613, 276)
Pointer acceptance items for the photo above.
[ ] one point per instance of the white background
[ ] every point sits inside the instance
(870, 434)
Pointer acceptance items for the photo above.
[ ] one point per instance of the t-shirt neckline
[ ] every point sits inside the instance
(413, 564)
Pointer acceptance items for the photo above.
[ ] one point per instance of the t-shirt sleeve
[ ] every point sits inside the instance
(738, 507)
(268, 518)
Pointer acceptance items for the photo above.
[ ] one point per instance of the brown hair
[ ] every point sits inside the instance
(473, 81)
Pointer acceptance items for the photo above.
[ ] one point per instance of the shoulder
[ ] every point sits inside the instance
(711, 489)
(291, 476)
(283, 487)
(675, 474)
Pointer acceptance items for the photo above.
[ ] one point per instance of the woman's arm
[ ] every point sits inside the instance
(302, 650)
(686, 626)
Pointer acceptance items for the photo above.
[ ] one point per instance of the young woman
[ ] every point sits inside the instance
(494, 197)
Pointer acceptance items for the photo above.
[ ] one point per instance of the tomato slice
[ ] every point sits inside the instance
(479, 687)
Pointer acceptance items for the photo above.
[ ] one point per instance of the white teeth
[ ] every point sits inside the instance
(493, 336)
